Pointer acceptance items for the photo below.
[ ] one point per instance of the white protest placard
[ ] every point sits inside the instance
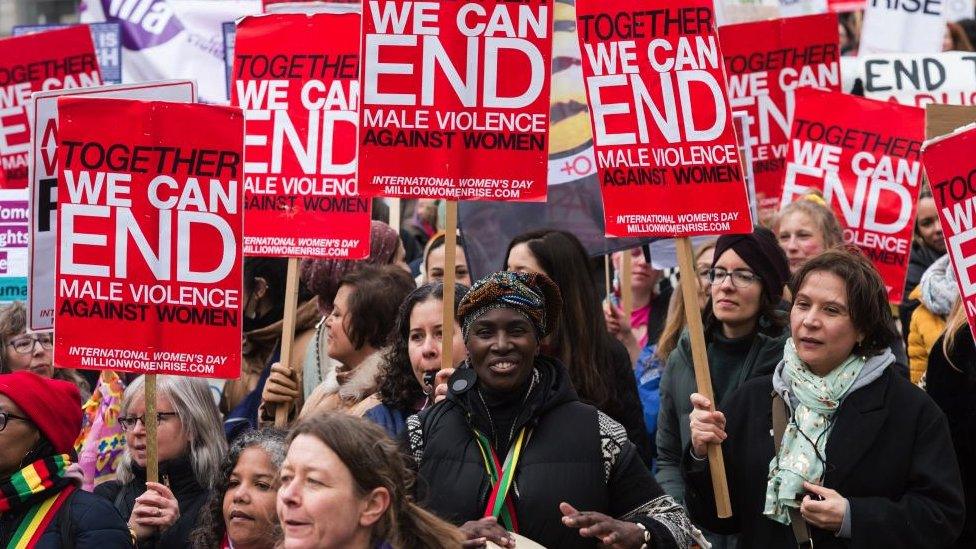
(43, 112)
(792, 8)
(947, 78)
(900, 26)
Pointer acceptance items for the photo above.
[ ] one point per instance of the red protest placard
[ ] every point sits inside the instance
(951, 170)
(296, 77)
(666, 151)
(455, 99)
(51, 60)
(149, 237)
(766, 61)
(863, 156)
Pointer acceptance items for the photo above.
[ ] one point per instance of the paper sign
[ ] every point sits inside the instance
(863, 156)
(455, 99)
(296, 76)
(149, 237)
(667, 157)
(13, 244)
(107, 38)
(947, 78)
(43, 182)
(50, 61)
(903, 26)
(765, 63)
(951, 169)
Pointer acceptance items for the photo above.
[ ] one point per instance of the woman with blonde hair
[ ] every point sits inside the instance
(190, 448)
(344, 484)
(805, 229)
(951, 382)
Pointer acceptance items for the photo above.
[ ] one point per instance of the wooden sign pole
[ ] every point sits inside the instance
(150, 423)
(450, 253)
(395, 211)
(689, 292)
(288, 331)
(626, 291)
(606, 275)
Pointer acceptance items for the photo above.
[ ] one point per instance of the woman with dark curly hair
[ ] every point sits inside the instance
(415, 353)
(241, 510)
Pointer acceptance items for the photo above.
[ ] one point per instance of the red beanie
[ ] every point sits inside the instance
(53, 405)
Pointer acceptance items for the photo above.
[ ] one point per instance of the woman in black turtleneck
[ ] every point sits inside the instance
(190, 448)
(513, 413)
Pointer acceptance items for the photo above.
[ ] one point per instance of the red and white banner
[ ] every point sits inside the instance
(43, 110)
(951, 169)
(149, 237)
(51, 60)
(667, 158)
(296, 76)
(864, 157)
(455, 99)
(766, 62)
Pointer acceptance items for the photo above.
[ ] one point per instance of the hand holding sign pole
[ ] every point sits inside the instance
(667, 157)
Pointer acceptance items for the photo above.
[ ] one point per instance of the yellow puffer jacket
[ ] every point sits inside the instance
(925, 328)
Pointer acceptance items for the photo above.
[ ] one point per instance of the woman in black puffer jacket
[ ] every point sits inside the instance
(572, 480)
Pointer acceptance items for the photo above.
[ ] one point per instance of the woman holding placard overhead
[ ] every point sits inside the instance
(744, 333)
(951, 382)
(858, 457)
(358, 331)
(571, 479)
(190, 447)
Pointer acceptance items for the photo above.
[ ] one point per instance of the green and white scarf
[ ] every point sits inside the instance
(803, 451)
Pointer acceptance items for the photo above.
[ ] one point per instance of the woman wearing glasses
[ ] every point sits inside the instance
(41, 502)
(31, 352)
(744, 333)
(190, 448)
(833, 446)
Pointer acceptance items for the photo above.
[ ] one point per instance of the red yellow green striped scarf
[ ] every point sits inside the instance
(42, 488)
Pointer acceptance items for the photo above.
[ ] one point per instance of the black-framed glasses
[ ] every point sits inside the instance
(25, 344)
(741, 278)
(6, 416)
(129, 422)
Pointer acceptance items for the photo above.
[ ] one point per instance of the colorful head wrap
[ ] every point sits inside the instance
(533, 295)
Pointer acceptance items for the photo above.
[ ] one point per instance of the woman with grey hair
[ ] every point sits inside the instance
(190, 448)
(241, 510)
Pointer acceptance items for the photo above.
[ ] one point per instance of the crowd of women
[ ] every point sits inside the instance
(566, 421)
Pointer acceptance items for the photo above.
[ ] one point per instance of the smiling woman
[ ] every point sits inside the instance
(571, 479)
(860, 457)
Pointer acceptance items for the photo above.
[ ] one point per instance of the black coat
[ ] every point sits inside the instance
(564, 460)
(84, 521)
(178, 475)
(953, 388)
(889, 454)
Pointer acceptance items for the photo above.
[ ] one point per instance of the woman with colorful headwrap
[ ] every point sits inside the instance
(512, 449)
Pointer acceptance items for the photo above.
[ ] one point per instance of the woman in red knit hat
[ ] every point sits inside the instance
(40, 503)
